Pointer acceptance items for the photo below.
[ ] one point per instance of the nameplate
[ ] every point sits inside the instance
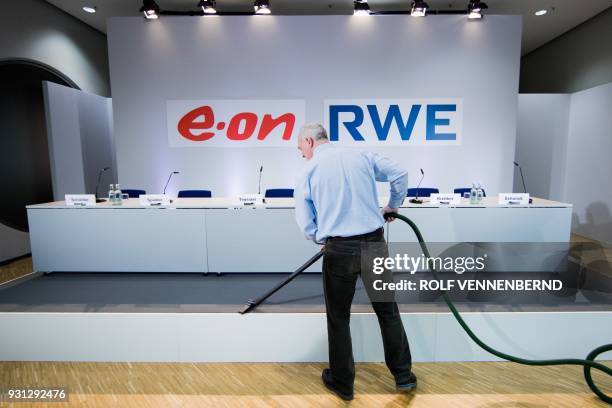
(513, 198)
(249, 199)
(445, 199)
(80, 200)
(153, 200)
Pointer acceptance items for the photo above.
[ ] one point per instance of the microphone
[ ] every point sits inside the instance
(169, 177)
(416, 199)
(102, 170)
(523, 180)
(259, 188)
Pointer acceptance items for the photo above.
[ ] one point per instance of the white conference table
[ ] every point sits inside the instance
(214, 235)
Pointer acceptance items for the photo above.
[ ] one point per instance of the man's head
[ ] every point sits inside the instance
(311, 136)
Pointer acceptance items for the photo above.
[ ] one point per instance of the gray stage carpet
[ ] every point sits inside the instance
(196, 293)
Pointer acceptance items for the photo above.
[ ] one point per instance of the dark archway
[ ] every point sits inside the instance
(24, 152)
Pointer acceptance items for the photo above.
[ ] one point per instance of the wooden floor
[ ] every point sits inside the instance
(490, 385)
(15, 269)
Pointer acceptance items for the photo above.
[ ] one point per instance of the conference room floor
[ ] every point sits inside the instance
(467, 385)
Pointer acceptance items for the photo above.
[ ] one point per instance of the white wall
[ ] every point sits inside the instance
(63, 134)
(564, 142)
(541, 144)
(98, 145)
(79, 130)
(311, 58)
(589, 164)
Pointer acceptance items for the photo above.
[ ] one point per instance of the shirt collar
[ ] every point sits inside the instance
(320, 148)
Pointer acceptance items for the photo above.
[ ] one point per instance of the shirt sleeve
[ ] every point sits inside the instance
(305, 213)
(387, 170)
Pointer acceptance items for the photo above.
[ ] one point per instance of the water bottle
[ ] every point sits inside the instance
(479, 193)
(473, 195)
(118, 200)
(111, 194)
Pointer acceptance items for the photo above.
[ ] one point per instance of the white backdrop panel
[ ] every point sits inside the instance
(312, 58)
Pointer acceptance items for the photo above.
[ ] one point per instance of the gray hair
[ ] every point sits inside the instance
(313, 130)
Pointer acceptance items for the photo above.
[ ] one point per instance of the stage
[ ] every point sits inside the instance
(191, 317)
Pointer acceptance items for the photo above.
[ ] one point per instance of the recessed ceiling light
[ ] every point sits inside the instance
(89, 9)
(541, 12)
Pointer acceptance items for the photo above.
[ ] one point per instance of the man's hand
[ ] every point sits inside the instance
(388, 209)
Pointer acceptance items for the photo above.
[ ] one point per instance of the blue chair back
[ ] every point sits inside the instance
(463, 190)
(133, 193)
(279, 193)
(195, 193)
(423, 192)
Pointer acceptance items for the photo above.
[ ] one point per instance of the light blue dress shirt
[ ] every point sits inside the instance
(336, 196)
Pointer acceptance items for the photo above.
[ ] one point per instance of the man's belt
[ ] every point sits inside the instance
(377, 233)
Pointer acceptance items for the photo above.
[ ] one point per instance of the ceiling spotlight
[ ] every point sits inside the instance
(150, 9)
(208, 6)
(475, 9)
(541, 12)
(262, 7)
(89, 9)
(419, 8)
(362, 8)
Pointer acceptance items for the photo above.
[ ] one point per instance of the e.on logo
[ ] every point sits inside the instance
(234, 123)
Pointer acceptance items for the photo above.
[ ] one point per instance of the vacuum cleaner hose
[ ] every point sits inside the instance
(588, 363)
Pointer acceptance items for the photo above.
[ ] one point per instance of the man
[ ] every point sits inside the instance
(336, 204)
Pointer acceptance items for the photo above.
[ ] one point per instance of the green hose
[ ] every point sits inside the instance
(588, 363)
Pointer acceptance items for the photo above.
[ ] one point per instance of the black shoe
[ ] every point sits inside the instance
(329, 383)
(407, 385)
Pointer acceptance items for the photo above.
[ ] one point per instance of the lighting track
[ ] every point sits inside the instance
(250, 13)
(201, 13)
(358, 4)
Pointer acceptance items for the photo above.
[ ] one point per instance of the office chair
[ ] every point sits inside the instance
(422, 192)
(279, 193)
(195, 193)
(133, 193)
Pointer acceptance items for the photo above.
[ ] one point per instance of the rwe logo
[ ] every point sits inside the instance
(424, 122)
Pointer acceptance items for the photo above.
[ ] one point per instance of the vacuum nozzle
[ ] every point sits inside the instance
(245, 309)
(251, 303)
